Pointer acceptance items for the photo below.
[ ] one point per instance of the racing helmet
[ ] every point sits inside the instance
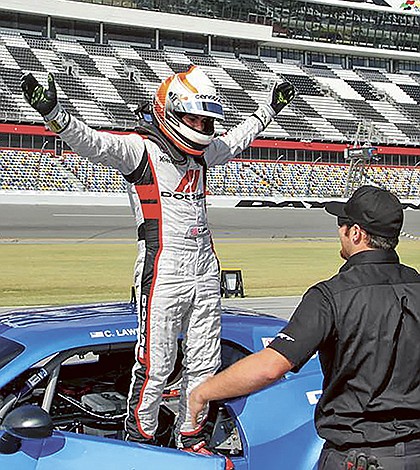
(189, 92)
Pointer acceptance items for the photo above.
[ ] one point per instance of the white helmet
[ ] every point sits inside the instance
(187, 93)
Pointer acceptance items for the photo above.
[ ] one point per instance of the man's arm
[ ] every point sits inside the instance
(123, 153)
(224, 148)
(248, 375)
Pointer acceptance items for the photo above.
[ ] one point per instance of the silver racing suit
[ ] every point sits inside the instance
(177, 272)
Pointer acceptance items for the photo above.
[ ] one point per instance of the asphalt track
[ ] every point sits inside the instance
(49, 222)
(83, 223)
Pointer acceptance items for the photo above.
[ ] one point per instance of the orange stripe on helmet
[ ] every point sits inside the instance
(161, 96)
(184, 80)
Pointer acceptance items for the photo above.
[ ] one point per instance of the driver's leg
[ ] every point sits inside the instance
(201, 349)
(156, 351)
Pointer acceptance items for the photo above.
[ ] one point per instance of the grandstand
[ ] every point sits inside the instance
(356, 67)
(22, 170)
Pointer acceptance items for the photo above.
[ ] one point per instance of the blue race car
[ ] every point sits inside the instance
(64, 378)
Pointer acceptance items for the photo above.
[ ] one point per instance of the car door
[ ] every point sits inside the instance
(68, 451)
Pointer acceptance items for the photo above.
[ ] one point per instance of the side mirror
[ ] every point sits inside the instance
(25, 422)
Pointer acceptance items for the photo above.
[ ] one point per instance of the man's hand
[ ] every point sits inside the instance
(196, 405)
(356, 461)
(43, 100)
(281, 95)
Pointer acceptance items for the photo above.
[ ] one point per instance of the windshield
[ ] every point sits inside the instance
(9, 350)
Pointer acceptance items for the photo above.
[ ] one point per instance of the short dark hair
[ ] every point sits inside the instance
(382, 243)
(375, 241)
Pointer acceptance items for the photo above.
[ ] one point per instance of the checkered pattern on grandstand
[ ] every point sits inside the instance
(22, 170)
(108, 82)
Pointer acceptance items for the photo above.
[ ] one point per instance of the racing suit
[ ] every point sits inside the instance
(177, 272)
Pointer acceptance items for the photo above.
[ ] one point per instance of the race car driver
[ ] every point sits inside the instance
(177, 273)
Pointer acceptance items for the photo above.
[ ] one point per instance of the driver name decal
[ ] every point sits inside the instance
(113, 333)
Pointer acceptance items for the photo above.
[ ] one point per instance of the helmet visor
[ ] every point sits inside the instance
(203, 108)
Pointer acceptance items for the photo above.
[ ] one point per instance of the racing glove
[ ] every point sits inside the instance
(281, 94)
(356, 461)
(44, 100)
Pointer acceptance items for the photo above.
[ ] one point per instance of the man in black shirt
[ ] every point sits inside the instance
(365, 324)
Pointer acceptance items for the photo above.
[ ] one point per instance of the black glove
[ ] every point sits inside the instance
(44, 100)
(41, 99)
(281, 95)
(356, 461)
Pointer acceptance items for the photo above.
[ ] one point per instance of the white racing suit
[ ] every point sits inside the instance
(177, 272)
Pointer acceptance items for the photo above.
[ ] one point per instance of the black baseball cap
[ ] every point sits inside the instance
(376, 210)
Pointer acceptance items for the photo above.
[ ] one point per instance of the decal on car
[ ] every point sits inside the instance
(266, 341)
(112, 333)
(313, 396)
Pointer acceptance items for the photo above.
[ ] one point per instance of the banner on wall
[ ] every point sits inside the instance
(411, 6)
(216, 202)
(305, 204)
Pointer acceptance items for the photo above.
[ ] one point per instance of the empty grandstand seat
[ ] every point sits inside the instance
(108, 82)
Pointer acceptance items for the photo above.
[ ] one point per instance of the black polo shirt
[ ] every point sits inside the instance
(365, 323)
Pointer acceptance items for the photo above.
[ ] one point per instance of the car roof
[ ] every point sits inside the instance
(71, 315)
(47, 330)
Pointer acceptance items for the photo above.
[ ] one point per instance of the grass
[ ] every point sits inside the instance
(63, 273)
(280, 267)
(40, 274)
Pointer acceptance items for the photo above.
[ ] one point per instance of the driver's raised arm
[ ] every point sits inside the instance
(122, 152)
(226, 147)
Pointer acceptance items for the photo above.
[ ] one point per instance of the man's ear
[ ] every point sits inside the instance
(358, 234)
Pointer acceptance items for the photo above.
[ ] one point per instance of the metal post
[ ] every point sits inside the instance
(101, 33)
(157, 39)
(39, 163)
(311, 169)
(410, 181)
(49, 27)
(277, 173)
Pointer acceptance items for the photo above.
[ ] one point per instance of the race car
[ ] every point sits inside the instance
(64, 379)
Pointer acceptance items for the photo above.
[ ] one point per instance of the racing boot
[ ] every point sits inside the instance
(197, 441)
(201, 448)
